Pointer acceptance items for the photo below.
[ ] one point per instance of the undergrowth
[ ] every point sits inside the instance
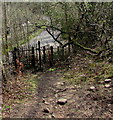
(86, 70)
(18, 91)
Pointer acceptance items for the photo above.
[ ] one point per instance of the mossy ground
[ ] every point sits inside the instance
(18, 91)
(86, 69)
(82, 73)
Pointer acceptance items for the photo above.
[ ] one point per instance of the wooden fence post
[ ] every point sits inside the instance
(58, 50)
(28, 54)
(44, 54)
(51, 56)
(33, 58)
(18, 53)
(36, 51)
(15, 56)
(39, 54)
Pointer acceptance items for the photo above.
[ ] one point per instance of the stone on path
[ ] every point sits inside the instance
(60, 83)
(46, 110)
(107, 80)
(107, 86)
(92, 88)
(46, 103)
(62, 101)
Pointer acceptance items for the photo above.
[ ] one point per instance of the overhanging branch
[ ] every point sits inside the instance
(54, 37)
(85, 48)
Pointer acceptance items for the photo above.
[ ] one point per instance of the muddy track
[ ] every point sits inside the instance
(45, 90)
(81, 103)
(34, 108)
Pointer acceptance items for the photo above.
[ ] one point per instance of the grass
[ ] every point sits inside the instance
(19, 91)
(52, 69)
(30, 37)
(87, 70)
(33, 82)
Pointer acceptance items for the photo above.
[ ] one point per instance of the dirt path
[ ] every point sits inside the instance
(80, 101)
(35, 107)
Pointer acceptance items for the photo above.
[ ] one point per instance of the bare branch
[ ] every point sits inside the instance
(54, 37)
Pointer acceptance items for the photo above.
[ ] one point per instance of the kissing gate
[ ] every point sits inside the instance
(38, 57)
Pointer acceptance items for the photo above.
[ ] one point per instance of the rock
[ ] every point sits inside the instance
(92, 88)
(45, 96)
(75, 85)
(109, 105)
(79, 87)
(107, 86)
(101, 82)
(53, 116)
(60, 83)
(57, 115)
(56, 95)
(46, 110)
(82, 75)
(107, 80)
(46, 103)
(43, 101)
(62, 101)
